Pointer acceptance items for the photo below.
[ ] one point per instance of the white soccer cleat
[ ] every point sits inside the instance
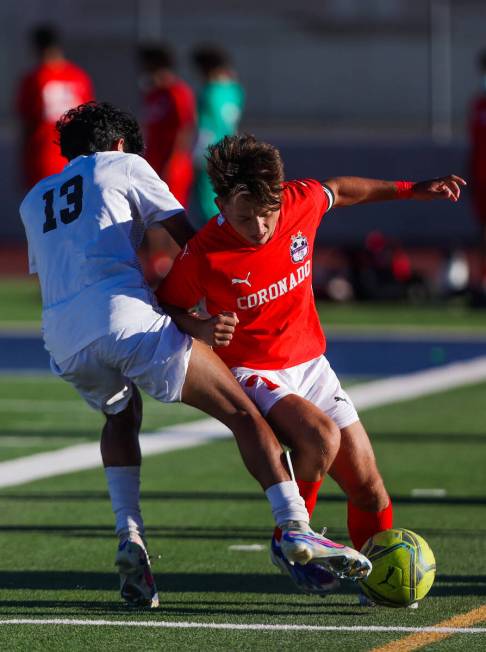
(137, 585)
(312, 579)
(304, 546)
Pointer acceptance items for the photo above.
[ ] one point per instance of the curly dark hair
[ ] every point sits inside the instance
(242, 164)
(94, 127)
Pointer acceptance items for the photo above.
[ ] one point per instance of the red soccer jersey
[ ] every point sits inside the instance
(168, 112)
(268, 286)
(44, 95)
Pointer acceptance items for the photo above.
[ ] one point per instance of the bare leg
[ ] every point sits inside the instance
(312, 436)
(356, 472)
(119, 437)
(211, 387)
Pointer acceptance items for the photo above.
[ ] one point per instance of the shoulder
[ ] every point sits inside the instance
(308, 188)
(36, 192)
(180, 87)
(301, 189)
(209, 238)
(76, 70)
(114, 161)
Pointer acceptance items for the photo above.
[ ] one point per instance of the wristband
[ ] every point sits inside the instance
(404, 189)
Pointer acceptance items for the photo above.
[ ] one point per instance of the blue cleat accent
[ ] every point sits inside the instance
(311, 578)
(305, 546)
(137, 585)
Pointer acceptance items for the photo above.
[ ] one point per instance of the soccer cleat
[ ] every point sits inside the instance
(137, 585)
(364, 601)
(311, 578)
(304, 546)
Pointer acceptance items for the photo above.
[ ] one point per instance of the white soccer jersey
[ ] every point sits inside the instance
(83, 228)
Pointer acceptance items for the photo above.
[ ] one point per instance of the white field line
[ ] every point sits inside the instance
(75, 622)
(381, 392)
(87, 456)
(419, 383)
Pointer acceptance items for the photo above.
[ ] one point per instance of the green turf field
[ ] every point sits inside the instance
(20, 302)
(58, 547)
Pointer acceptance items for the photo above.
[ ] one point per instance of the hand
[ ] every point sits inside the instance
(442, 188)
(218, 330)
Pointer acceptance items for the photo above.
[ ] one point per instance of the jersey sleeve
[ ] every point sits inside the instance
(322, 195)
(152, 198)
(182, 286)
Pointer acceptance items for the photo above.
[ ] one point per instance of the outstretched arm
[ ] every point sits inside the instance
(357, 190)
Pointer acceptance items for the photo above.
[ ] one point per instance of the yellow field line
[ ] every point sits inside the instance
(416, 641)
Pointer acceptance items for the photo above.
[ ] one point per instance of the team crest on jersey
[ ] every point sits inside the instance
(299, 247)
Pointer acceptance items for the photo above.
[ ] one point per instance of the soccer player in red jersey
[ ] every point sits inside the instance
(255, 260)
(169, 122)
(478, 173)
(54, 86)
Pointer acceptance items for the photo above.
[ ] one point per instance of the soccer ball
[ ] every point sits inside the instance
(403, 568)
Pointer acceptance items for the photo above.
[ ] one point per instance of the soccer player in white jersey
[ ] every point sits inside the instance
(106, 337)
(255, 259)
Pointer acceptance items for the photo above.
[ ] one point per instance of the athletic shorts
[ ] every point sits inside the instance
(155, 360)
(313, 380)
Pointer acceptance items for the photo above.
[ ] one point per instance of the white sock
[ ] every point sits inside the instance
(287, 503)
(124, 489)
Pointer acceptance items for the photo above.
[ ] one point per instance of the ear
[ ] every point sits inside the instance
(219, 203)
(118, 145)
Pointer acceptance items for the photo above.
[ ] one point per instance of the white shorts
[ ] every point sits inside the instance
(155, 359)
(313, 380)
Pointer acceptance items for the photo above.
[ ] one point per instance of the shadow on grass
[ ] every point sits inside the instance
(32, 608)
(180, 583)
(207, 582)
(225, 496)
(201, 533)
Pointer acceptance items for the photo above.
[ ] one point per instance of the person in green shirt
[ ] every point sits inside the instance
(220, 105)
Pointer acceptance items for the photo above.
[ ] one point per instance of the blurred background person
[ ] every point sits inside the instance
(220, 105)
(477, 179)
(169, 120)
(44, 94)
(169, 126)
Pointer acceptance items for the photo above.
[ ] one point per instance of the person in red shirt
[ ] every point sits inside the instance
(254, 261)
(169, 119)
(54, 86)
(478, 173)
(169, 124)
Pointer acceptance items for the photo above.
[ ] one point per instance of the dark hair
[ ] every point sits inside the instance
(44, 37)
(154, 57)
(207, 58)
(242, 164)
(94, 127)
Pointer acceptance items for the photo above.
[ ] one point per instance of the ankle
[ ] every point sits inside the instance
(295, 526)
(131, 535)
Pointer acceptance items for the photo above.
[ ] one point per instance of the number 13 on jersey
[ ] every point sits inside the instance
(72, 190)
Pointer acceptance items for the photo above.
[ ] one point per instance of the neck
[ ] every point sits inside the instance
(53, 55)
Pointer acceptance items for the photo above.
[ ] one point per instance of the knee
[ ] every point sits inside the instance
(128, 422)
(323, 440)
